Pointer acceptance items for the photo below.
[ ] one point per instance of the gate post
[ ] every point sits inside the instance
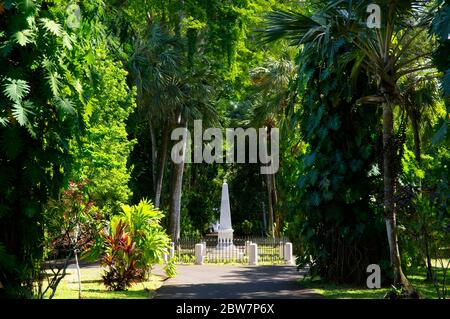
(253, 254)
(172, 250)
(199, 254)
(247, 247)
(204, 248)
(281, 250)
(288, 258)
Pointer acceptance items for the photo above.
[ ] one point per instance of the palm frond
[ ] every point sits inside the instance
(292, 26)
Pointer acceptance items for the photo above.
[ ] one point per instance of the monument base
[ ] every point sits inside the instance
(225, 239)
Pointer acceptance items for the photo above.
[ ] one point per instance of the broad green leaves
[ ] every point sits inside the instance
(16, 90)
(24, 37)
(65, 105)
(51, 26)
(4, 121)
(54, 82)
(21, 111)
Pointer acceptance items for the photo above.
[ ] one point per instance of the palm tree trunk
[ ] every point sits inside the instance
(389, 205)
(175, 201)
(162, 164)
(154, 154)
(428, 256)
(274, 203)
(416, 134)
(270, 204)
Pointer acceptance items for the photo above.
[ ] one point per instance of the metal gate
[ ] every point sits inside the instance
(270, 250)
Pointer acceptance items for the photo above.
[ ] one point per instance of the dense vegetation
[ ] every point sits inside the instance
(91, 91)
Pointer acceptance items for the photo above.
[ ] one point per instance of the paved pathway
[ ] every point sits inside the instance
(234, 282)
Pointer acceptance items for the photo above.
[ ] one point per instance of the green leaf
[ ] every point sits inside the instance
(3, 121)
(51, 26)
(65, 105)
(24, 37)
(53, 82)
(16, 90)
(67, 41)
(31, 130)
(26, 5)
(21, 111)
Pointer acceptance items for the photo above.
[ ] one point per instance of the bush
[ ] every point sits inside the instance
(134, 242)
(122, 258)
(247, 227)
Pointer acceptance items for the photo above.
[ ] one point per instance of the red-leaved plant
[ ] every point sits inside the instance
(121, 257)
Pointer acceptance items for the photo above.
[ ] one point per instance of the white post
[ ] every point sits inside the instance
(281, 250)
(199, 254)
(253, 255)
(288, 257)
(172, 250)
(204, 248)
(247, 247)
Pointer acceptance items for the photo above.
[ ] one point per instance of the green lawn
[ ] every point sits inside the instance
(93, 288)
(332, 291)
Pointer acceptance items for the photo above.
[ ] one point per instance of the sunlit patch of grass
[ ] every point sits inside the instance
(333, 291)
(417, 277)
(93, 288)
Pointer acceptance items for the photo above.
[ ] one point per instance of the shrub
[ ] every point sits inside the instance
(247, 227)
(133, 243)
(70, 224)
(121, 257)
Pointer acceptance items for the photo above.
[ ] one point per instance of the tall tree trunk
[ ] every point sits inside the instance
(428, 256)
(263, 206)
(272, 198)
(154, 154)
(277, 216)
(416, 134)
(389, 205)
(162, 163)
(175, 201)
(270, 204)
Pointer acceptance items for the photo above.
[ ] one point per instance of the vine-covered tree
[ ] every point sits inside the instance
(38, 99)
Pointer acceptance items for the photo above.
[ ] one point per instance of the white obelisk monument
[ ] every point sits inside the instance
(225, 232)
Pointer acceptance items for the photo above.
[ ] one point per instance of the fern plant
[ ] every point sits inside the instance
(38, 108)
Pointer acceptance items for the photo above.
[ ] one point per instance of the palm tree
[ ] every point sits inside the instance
(156, 66)
(271, 85)
(420, 94)
(387, 55)
(197, 89)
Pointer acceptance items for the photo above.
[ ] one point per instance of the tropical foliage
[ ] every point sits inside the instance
(133, 242)
(91, 90)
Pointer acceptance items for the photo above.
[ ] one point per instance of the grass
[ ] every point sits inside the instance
(93, 288)
(416, 276)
